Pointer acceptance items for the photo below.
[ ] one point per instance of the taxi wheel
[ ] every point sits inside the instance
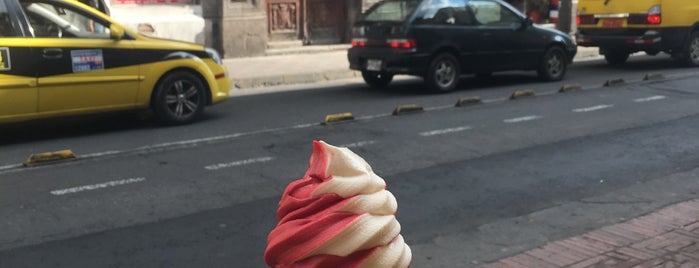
(692, 51)
(553, 65)
(377, 79)
(179, 98)
(443, 73)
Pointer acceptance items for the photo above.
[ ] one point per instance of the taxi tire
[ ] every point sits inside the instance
(179, 98)
(691, 51)
(377, 79)
(553, 65)
(443, 73)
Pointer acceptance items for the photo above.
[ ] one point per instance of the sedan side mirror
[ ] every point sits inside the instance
(527, 22)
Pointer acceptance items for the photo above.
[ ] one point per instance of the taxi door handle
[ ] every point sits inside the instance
(52, 53)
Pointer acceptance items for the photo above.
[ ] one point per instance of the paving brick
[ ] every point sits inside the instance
(650, 221)
(626, 230)
(690, 207)
(529, 261)
(692, 226)
(676, 216)
(579, 250)
(662, 219)
(639, 254)
(500, 264)
(554, 257)
(691, 252)
(645, 228)
(590, 263)
(591, 244)
(609, 238)
(679, 241)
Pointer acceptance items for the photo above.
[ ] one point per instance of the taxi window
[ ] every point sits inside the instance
(58, 21)
(6, 29)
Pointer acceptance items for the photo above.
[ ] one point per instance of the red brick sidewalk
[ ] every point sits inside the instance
(666, 238)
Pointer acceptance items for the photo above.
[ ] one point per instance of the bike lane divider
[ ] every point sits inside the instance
(239, 163)
(522, 119)
(444, 131)
(92, 187)
(651, 98)
(592, 108)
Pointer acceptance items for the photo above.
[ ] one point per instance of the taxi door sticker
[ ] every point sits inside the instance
(5, 64)
(86, 60)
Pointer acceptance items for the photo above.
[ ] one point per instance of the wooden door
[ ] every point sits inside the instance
(326, 21)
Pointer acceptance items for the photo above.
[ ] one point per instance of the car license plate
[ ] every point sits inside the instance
(612, 23)
(373, 65)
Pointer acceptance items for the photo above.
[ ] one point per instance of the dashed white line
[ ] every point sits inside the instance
(522, 119)
(96, 186)
(652, 98)
(358, 144)
(239, 163)
(593, 108)
(444, 131)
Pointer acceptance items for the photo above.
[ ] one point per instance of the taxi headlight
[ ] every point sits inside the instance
(214, 55)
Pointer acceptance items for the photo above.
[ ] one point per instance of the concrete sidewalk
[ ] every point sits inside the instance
(665, 238)
(320, 63)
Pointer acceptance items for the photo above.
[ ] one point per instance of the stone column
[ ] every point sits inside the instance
(236, 28)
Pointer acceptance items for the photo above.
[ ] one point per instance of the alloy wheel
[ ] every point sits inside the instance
(182, 98)
(445, 73)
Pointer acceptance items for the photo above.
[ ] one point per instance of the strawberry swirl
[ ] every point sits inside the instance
(338, 214)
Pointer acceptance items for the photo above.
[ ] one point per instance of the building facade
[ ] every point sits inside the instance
(243, 28)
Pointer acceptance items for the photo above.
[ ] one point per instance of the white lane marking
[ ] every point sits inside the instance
(652, 98)
(239, 163)
(593, 108)
(522, 119)
(96, 186)
(357, 144)
(444, 131)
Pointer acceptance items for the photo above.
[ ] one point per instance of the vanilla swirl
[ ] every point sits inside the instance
(340, 208)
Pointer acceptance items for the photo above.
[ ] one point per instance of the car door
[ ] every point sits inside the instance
(448, 24)
(507, 41)
(83, 70)
(18, 83)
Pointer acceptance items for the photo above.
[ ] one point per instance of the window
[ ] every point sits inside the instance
(450, 12)
(492, 13)
(391, 11)
(53, 20)
(6, 29)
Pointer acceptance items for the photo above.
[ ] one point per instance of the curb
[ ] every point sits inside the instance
(335, 74)
(266, 81)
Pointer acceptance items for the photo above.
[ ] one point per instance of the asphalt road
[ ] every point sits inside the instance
(473, 183)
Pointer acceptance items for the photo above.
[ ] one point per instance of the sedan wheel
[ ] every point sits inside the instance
(553, 66)
(443, 73)
(179, 98)
(692, 58)
(377, 79)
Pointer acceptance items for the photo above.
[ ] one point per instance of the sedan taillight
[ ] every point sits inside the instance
(401, 43)
(359, 42)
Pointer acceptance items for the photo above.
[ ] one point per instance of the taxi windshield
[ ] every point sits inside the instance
(391, 10)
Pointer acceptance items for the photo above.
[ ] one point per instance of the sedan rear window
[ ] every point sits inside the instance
(391, 10)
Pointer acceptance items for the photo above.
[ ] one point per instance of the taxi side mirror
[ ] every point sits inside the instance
(116, 32)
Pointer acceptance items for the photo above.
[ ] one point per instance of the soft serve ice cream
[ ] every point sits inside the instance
(338, 215)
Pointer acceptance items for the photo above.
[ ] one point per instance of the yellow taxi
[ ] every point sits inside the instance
(60, 57)
(621, 27)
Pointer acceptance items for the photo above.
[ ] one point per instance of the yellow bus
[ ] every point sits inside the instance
(622, 27)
